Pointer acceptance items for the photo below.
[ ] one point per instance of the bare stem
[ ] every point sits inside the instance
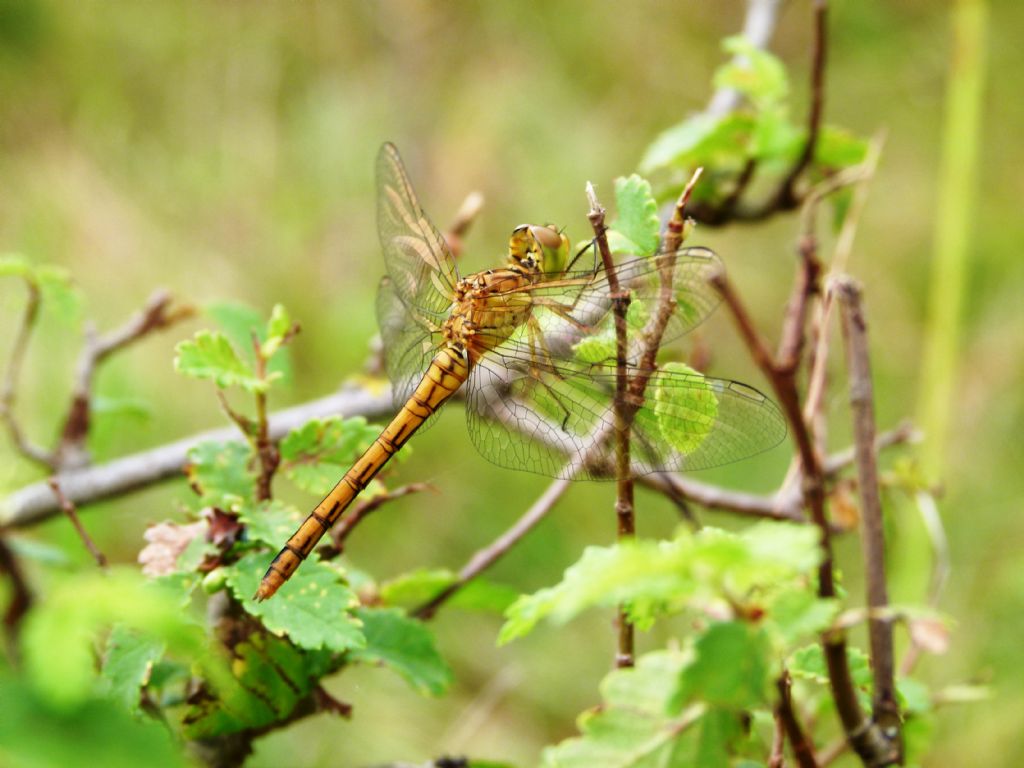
(865, 737)
(157, 314)
(489, 555)
(344, 527)
(803, 748)
(626, 528)
(884, 704)
(72, 514)
(787, 197)
(9, 387)
(21, 598)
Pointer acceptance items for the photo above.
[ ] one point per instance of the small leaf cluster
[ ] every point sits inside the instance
(762, 133)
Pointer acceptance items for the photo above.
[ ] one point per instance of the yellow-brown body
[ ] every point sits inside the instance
(487, 307)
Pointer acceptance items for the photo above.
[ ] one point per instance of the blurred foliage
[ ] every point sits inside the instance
(225, 151)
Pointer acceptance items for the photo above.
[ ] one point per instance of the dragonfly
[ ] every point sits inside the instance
(529, 344)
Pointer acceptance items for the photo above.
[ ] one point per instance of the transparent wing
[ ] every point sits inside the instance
(410, 343)
(419, 262)
(545, 421)
(577, 305)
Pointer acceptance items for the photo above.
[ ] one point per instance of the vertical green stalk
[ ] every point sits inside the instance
(954, 212)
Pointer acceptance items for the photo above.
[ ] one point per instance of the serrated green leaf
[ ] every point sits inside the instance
(127, 664)
(719, 730)
(315, 455)
(731, 670)
(657, 578)
(209, 355)
(405, 645)
(808, 663)
(636, 228)
(313, 608)
(686, 415)
(756, 73)
(632, 729)
(59, 635)
(270, 677)
(239, 323)
(797, 612)
(775, 138)
(839, 148)
(595, 349)
(222, 472)
(718, 142)
(271, 522)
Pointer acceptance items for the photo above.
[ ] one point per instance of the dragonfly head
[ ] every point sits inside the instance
(539, 249)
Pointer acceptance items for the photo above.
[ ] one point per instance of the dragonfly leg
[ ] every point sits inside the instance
(536, 339)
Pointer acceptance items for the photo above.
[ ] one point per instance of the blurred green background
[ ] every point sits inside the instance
(225, 150)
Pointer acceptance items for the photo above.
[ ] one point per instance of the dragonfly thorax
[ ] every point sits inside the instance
(488, 307)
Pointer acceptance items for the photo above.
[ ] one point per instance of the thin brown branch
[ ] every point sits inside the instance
(787, 197)
(624, 511)
(885, 707)
(904, 432)
(803, 748)
(72, 514)
(21, 598)
(715, 497)
(341, 530)
(266, 450)
(654, 332)
(12, 374)
(489, 555)
(865, 737)
(157, 314)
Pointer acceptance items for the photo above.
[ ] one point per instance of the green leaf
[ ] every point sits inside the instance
(239, 323)
(129, 660)
(839, 148)
(271, 522)
(209, 355)
(915, 697)
(796, 612)
(222, 472)
(278, 326)
(314, 608)
(122, 407)
(731, 669)
(405, 645)
(757, 74)
(656, 578)
(59, 635)
(808, 663)
(14, 265)
(315, 455)
(595, 349)
(97, 732)
(270, 677)
(718, 142)
(59, 294)
(632, 728)
(686, 415)
(636, 228)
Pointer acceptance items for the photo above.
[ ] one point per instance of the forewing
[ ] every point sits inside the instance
(562, 425)
(410, 343)
(418, 259)
(577, 305)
